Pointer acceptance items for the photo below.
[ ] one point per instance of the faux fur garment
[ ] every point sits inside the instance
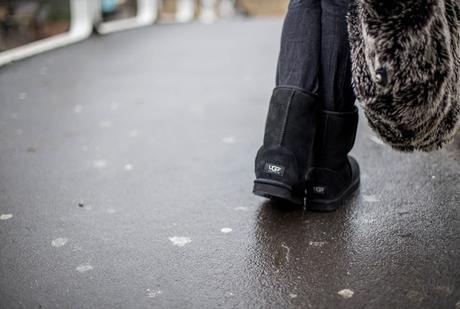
(406, 69)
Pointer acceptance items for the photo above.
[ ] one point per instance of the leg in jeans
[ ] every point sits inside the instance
(335, 174)
(290, 129)
(335, 78)
(299, 58)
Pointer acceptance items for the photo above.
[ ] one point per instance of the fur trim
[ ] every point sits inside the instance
(406, 69)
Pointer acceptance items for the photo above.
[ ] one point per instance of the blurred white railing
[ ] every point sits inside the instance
(80, 28)
(87, 14)
(147, 13)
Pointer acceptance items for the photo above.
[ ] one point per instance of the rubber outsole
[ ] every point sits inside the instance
(276, 190)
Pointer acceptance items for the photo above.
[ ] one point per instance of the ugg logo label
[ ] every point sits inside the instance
(274, 169)
(319, 189)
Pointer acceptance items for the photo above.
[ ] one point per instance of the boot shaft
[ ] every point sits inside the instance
(336, 133)
(291, 122)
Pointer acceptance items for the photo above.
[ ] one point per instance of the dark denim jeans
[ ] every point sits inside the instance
(315, 53)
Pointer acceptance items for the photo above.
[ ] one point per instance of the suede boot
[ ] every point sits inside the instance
(334, 175)
(282, 161)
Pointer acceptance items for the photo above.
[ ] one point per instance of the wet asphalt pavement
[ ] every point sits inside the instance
(126, 175)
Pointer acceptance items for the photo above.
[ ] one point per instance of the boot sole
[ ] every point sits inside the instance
(276, 190)
(332, 205)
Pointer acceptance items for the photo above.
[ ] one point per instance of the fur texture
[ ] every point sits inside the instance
(406, 69)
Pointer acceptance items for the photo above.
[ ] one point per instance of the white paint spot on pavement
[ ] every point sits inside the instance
(153, 293)
(59, 242)
(370, 198)
(77, 109)
(415, 296)
(226, 230)
(292, 295)
(228, 140)
(241, 208)
(180, 241)
(288, 250)
(376, 140)
(105, 124)
(22, 96)
(111, 210)
(84, 268)
(128, 167)
(134, 133)
(346, 293)
(6, 216)
(317, 243)
(100, 164)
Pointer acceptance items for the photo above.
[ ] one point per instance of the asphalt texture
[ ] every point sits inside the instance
(126, 168)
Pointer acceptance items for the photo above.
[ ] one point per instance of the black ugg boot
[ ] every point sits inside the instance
(334, 175)
(282, 161)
